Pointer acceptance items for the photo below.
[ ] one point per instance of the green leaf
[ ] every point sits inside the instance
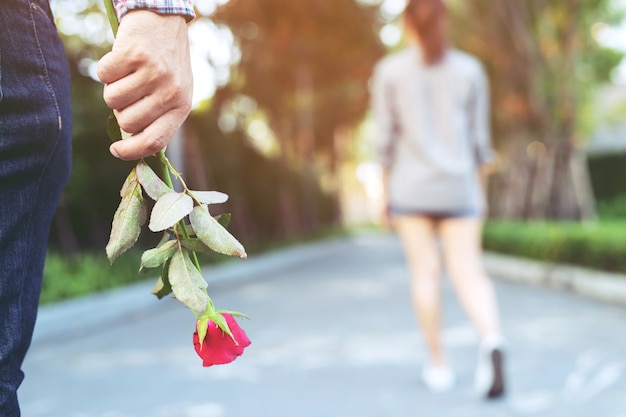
(153, 258)
(223, 219)
(214, 235)
(162, 288)
(113, 128)
(222, 324)
(150, 181)
(127, 221)
(209, 197)
(187, 283)
(234, 314)
(169, 209)
(202, 328)
(194, 245)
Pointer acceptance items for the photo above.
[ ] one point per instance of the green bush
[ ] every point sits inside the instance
(598, 245)
(86, 273)
(614, 208)
(608, 175)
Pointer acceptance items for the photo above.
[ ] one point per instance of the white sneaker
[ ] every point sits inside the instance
(489, 381)
(438, 379)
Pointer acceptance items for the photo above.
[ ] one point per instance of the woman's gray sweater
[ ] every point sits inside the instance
(433, 131)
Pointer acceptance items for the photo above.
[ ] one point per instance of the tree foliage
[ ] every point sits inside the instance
(228, 161)
(307, 64)
(545, 64)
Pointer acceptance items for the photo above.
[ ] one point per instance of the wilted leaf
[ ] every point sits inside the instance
(214, 235)
(210, 197)
(155, 257)
(129, 184)
(150, 181)
(127, 222)
(187, 283)
(169, 209)
(162, 288)
(194, 245)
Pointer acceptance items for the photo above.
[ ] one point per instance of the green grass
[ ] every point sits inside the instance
(86, 273)
(599, 245)
(613, 209)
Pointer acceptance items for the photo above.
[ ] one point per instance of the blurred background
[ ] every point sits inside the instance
(281, 124)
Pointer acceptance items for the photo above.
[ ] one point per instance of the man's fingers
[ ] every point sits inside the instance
(138, 116)
(153, 139)
(143, 112)
(112, 67)
(125, 91)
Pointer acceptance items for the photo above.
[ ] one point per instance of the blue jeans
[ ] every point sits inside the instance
(35, 148)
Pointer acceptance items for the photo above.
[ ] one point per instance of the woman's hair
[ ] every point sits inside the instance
(428, 19)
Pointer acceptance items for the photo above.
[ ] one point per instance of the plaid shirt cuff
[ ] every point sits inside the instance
(177, 7)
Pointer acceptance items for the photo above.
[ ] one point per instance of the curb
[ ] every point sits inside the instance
(598, 285)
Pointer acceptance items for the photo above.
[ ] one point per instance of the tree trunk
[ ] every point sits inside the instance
(542, 183)
(533, 49)
(288, 214)
(306, 146)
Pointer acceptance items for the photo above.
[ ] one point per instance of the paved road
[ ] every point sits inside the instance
(333, 336)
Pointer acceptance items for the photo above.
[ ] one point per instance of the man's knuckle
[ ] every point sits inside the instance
(160, 74)
(173, 93)
(180, 99)
(138, 56)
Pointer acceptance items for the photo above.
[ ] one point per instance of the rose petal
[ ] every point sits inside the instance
(219, 348)
(240, 336)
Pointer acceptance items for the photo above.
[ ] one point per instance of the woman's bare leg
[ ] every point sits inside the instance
(461, 238)
(419, 240)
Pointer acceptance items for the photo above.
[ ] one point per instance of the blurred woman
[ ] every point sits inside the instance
(431, 104)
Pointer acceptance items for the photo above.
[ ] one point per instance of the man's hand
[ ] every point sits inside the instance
(148, 81)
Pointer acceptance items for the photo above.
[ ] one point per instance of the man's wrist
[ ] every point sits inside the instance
(183, 8)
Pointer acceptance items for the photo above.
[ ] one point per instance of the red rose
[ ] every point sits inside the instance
(218, 347)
